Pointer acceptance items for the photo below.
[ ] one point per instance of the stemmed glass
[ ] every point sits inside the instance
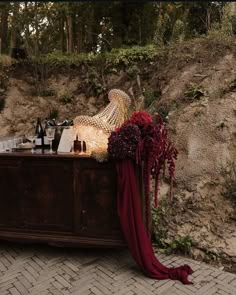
(32, 138)
(50, 131)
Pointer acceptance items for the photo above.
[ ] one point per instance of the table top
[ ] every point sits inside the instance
(46, 154)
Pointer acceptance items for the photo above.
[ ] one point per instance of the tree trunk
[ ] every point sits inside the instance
(80, 39)
(208, 20)
(125, 23)
(4, 28)
(14, 26)
(70, 33)
(36, 44)
(67, 34)
(90, 33)
(62, 33)
(140, 30)
(27, 33)
(229, 11)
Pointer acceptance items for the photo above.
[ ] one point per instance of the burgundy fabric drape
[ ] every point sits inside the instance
(139, 244)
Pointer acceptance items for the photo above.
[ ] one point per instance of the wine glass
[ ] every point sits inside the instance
(5, 145)
(50, 131)
(32, 138)
(1, 146)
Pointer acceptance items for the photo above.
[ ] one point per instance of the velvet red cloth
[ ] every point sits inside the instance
(131, 221)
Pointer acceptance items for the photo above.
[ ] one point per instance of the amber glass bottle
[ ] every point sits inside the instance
(77, 145)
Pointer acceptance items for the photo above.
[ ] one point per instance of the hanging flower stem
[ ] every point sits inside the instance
(140, 139)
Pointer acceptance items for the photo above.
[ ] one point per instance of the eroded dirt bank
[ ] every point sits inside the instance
(194, 87)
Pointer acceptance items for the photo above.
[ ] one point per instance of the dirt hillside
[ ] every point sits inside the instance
(193, 86)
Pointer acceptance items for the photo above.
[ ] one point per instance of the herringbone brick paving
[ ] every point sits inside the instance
(44, 270)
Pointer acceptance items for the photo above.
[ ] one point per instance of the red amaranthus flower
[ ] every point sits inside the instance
(139, 118)
(153, 149)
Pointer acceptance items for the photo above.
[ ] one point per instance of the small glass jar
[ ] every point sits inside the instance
(77, 145)
(84, 147)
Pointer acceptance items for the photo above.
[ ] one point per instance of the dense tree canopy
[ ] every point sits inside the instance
(75, 27)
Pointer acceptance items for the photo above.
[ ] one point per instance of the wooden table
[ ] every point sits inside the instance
(58, 199)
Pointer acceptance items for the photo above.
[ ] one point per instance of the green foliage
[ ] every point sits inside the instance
(122, 56)
(4, 82)
(132, 71)
(163, 110)
(156, 216)
(210, 256)
(59, 58)
(47, 92)
(66, 98)
(41, 91)
(150, 96)
(95, 81)
(180, 245)
(198, 26)
(6, 60)
(101, 28)
(159, 231)
(127, 56)
(53, 114)
(232, 86)
(178, 31)
(194, 92)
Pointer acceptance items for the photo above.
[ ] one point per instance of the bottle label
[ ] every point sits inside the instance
(38, 141)
(46, 141)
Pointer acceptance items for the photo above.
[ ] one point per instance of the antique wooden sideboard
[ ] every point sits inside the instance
(58, 199)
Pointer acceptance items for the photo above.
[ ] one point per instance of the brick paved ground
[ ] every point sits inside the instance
(47, 270)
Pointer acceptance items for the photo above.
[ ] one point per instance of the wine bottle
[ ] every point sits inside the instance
(56, 140)
(39, 133)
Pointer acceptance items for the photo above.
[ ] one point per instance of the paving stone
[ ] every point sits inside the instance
(221, 292)
(14, 291)
(42, 270)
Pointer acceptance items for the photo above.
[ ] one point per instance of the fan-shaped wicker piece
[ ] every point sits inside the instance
(95, 130)
(112, 116)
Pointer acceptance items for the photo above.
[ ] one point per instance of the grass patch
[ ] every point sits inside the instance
(231, 87)
(38, 91)
(53, 114)
(159, 227)
(66, 98)
(194, 92)
(150, 96)
(47, 92)
(180, 245)
(6, 60)
(94, 81)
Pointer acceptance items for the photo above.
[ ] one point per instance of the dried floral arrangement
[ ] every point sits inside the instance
(146, 142)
